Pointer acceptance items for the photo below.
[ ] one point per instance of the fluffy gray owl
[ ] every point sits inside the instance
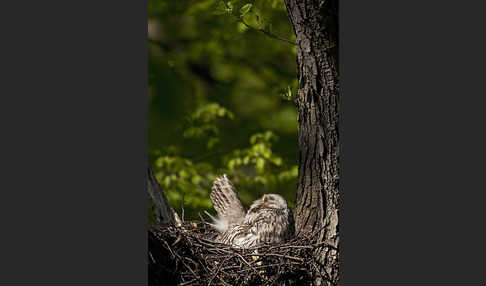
(268, 220)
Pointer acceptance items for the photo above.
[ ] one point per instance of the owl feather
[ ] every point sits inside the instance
(226, 203)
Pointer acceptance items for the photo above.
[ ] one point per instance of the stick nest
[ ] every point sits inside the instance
(187, 255)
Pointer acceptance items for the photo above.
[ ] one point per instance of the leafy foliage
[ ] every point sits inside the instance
(220, 99)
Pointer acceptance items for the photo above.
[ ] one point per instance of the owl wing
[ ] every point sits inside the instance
(226, 202)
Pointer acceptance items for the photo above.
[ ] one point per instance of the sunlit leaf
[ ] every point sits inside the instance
(245, 9)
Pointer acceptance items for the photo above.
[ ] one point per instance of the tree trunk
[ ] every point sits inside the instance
(317, 199)
(163, 213)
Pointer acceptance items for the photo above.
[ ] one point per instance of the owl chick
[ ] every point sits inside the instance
(268, 220)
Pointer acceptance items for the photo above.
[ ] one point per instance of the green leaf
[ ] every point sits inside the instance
(277, 161)
(246, 160)
(212, 141)
(260, 165)
(245, 9)
(229, 7)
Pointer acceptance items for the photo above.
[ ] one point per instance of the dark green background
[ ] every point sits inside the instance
(221, 100)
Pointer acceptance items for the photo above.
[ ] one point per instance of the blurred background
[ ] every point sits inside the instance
(221, 100)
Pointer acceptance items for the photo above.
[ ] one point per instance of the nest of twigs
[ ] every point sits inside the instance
(187, 255)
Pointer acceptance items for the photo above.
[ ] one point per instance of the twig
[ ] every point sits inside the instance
(241, 20)
(202, 219)
(217, 270)
(266, 32)
(249, 265)
(278, 255)
(224, 282)
(190, 269)
(188, 282)
(325, 243)
(177, 240)
(153, 260)
(170, 250)
(267, 266)
(182, 206)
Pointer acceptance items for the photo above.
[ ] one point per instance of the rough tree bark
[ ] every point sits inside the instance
(317, 200)
(163, 213)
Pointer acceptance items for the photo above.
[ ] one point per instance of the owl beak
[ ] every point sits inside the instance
(264, 199)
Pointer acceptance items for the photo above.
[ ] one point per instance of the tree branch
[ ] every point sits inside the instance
(163, 213)
(268, 33)
(240, 19)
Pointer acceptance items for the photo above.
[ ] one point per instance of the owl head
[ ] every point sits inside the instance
(269, 201)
